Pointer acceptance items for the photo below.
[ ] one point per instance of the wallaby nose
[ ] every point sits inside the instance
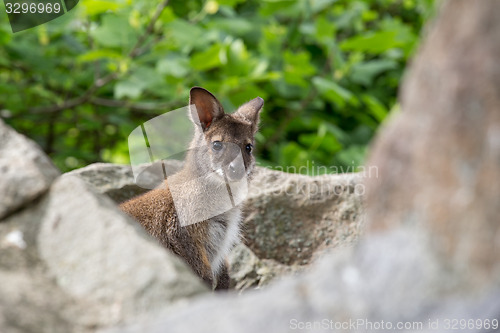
(236, 170)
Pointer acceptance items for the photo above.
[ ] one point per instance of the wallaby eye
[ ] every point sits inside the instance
(217, 145)
(249, 148)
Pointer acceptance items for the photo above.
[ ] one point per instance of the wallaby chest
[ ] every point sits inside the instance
(223, 233)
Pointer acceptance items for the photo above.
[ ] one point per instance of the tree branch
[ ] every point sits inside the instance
(149, 29)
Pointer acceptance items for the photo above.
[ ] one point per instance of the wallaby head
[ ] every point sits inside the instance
(223, 143)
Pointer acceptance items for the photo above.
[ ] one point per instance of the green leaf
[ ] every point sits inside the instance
(97, 55)
(298, 68)
(405, 37)
(365, 72)
(239, 61)
(230, 3)
(241, 95)
(338, 133)
(129, 88)
(167, 15)
(293, 155)
(142, 79)
(211, 58)
(334, 93)
(173, 64)
(319, 5)
(115, 31)
(352, 157)
(377, 109)
(325, 29)
(326, 142)
(234, 26)
(288, 8)
(94, 7)
(372, 42)
(185, 35)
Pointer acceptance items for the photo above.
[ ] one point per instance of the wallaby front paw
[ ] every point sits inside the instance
(223, 280)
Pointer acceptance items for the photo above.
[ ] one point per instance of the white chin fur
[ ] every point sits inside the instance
(220, 172)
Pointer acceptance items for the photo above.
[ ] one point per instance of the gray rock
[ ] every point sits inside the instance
(292, 218)
(26, 171)
(30, 300)
(79, 263)
(439, 160)
(289, 218)
(97, 253)
(391, 278)
(246, 270)
(117, 181)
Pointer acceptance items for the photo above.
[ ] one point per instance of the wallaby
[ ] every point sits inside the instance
(211, 158)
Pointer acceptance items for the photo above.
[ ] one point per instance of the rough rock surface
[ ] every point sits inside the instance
(287, 218)
(246, 270)
(117, 270)
(117, 181)
(30, 300)
(26, 172)
(439, 161)
(391, 278)
(71, 261)
(290, 218)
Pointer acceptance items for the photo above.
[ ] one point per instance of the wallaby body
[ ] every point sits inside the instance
(203, 245)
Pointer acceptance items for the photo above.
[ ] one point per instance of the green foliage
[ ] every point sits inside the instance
(328, 70)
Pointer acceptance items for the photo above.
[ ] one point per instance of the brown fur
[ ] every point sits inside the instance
(204, 244)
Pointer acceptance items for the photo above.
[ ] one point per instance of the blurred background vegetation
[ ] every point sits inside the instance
(328, 70)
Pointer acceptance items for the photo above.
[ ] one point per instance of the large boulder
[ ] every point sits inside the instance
(26, 171)
(30, 300)
(439, 161)
(117, 181)
(98, 254)
(74, 253)
(246, 270)
(292, 218)
(73, 262)
(288, 218)
(391, 279)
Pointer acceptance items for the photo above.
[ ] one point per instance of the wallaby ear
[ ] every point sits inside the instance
(208, 108)
(251, 111)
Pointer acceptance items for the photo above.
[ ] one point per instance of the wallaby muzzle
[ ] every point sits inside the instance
(230, 161)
